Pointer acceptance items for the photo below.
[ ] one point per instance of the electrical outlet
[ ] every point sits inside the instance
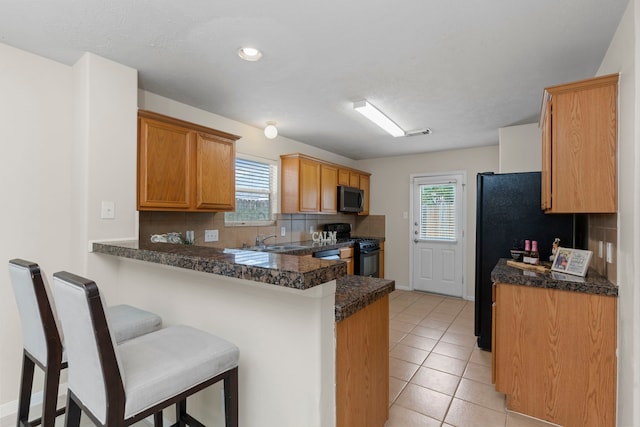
(210, 235)
(108, 210)
(283, 231)
(600, 245)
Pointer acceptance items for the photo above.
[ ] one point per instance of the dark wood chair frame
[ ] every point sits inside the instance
(54, 358)
(115, 395)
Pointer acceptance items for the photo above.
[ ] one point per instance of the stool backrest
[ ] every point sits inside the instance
(94, 371)
(40, 334)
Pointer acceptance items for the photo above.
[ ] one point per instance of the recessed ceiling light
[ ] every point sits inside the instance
(249, 53)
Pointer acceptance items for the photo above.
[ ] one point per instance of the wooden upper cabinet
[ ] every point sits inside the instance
(343, 177)
(165, 163)
(216, 175)
(354, 179)
(328, 188)
(310, 185)
(579, 147)
(364, 184)
(183, 166)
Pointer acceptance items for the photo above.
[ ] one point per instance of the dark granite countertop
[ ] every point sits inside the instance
(353, 293)
(592, 283)
(272, 268)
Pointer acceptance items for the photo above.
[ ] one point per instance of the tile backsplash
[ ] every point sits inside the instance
(604, 228)
(298, 227)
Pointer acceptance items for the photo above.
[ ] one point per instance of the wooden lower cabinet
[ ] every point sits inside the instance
(362, 367)
(346, 254)
(555, 354)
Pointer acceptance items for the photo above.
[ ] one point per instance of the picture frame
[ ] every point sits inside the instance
(572, 261)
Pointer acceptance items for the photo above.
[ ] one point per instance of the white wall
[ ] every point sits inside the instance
(390, 196)
(622, 56)
(520, 148)
(36, 134)
(252, 139)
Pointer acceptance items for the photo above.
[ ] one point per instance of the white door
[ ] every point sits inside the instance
(437, 234)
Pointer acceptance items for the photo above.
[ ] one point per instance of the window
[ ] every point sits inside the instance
(256, 194)
(438, 212)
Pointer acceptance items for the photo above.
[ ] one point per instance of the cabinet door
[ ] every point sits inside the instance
(556, 354)
(354, 179)
(215, 179)
(583, 147)
(546, 158)
(364, 186)
(343, 177)
(309, 186)
(165, 163)
(329, 189)
(381, 268)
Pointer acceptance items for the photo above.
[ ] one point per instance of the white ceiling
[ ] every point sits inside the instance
(464, 68)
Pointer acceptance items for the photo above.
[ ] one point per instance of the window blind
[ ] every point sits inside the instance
(255, 192)
(438, 211)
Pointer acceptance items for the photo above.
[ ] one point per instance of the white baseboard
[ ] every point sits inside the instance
(9, 410)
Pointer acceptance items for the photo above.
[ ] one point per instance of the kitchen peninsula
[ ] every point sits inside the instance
(282, 311)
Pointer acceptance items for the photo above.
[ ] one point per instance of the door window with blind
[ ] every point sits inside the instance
(256, 188)
(438, 212)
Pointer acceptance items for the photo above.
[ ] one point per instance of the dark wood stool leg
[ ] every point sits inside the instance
(231, 398)
(157, 419)
(50, 396)
(181, 412)
(26, 384)
(74, 412)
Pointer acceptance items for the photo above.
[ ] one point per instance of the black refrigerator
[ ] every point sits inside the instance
(508, 212)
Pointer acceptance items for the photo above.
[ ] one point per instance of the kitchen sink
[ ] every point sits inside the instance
(275, 248)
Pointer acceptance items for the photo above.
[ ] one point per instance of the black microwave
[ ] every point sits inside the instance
(350, 199)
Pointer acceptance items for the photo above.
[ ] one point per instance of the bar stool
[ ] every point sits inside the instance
(43, 341)
(118, 385)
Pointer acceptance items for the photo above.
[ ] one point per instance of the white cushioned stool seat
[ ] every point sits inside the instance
(163, 364)
(129, 322)
(121, 384)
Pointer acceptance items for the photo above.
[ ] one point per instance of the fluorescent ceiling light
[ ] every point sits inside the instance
(377, 117)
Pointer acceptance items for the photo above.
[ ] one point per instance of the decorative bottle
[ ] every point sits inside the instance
(526, 256)
(534, 257)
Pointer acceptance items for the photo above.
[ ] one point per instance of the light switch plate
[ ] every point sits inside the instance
(108, 210)
(283, 231)
(609, 252)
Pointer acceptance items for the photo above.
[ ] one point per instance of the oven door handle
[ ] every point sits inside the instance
(369, 251)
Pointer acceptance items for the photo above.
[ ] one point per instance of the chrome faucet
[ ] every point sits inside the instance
(260, 239)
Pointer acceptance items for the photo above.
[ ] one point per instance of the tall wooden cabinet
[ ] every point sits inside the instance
(555, 354)
(183, 166)
(579, 146)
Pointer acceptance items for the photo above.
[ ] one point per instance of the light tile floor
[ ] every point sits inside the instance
(437, 375)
